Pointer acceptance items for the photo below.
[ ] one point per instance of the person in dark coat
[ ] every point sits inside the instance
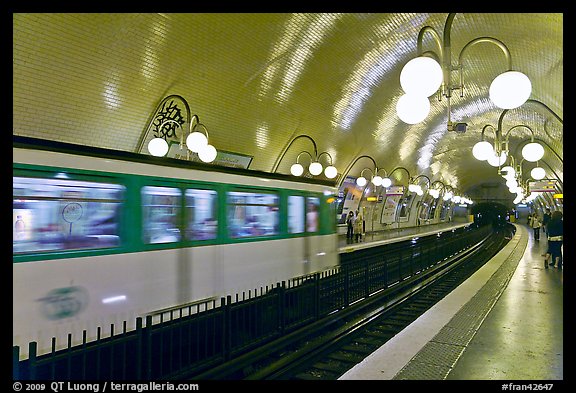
(555, 240)
(350, 225)
(545, 218)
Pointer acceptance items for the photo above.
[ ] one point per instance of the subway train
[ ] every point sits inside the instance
(101, 237)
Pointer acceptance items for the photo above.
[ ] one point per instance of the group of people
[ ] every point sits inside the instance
(552, 225)
(354, 226)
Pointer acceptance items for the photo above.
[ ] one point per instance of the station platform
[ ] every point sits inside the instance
(373, 239)
(504, 323)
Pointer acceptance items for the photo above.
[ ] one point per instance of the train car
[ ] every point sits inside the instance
(102, 237)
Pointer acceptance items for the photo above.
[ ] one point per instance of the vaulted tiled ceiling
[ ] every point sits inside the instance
(259, 80)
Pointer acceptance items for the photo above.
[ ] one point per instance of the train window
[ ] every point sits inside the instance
(201, 214)
(312, 210)
(252, 214)
(160, 212)
(63, 214)
(295, 214)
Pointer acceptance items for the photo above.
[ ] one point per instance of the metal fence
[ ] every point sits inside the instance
(197, 337)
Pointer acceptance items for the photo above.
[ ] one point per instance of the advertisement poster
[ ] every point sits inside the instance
(348, 198)
(393, 195)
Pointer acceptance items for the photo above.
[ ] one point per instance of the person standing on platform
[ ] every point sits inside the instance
(546, 219)
(350, 225)
(535, 225)
(358, 225)
(555, 240)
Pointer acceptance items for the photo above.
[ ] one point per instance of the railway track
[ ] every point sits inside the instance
(326, 355)
(327, 348)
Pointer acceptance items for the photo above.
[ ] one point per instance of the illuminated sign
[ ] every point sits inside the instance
(558, 196)
(395, 190)
(542, 186)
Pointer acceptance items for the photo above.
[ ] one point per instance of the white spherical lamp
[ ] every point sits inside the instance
(510, 89)
(361, 181)
(538, 173)
(508, 171)
(412, 109)
(421, 76)
(377, 180)
(296, 169)
(386, 182)
(208, 153)
(158, 147)
(482, 150)
(494, 160)
(330, 172)
(196, 141)
(315, 168)
(532, 151)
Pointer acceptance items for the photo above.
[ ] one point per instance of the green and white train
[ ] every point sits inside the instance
(102, 237)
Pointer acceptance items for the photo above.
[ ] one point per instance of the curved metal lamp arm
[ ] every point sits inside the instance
(516, 126)
(362, 171)
(381, 169)
(436, 36)
(424, 176)
(491, 40)
(493, 130)
(285, 150)
(501, 118)
(438, 181)
(328, 154)
(349, 167)
(299, 154)
(401, 167)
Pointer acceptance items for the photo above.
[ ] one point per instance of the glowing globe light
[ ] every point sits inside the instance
(361, 181)
(377, 180)
(208, 153)
(482, 150)
(386, 182)
(538, 173)
(511, 183)
(412, 109)
(296, 169)
(421, 76)
(510, 89)
(315, 168)
(513, 189)
(509, 172)
(158, 147)
(494, 160)
(532, 151)
(330, 172)
(196, 141)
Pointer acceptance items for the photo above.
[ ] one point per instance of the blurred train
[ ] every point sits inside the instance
(101, 237)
